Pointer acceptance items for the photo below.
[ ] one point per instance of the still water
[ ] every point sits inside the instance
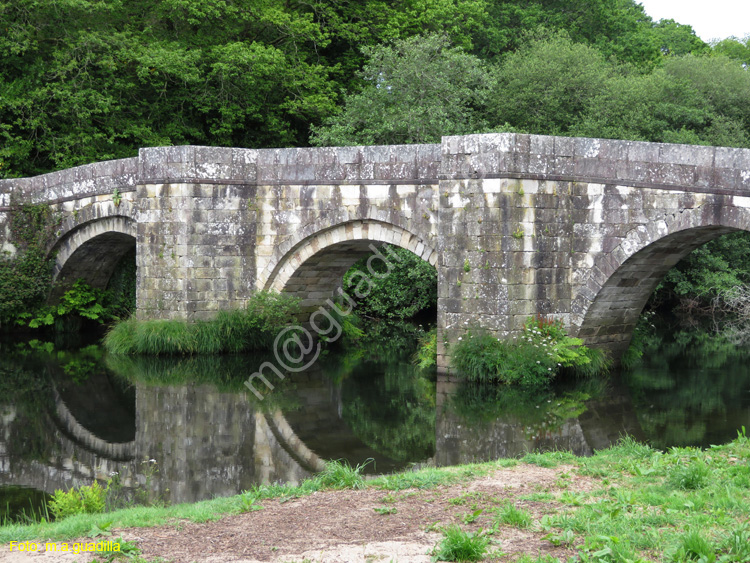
(187, 429)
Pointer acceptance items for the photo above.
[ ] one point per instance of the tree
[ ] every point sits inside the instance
(409, 287)
(677, 39)
(734, 48)
(86, 81)
(545, 86)
(617, 28)
(417, 90)
(693, 100)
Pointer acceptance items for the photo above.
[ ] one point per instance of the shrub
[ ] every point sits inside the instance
(482, 357)
(83, 500)
(409, 287)
(533, 359)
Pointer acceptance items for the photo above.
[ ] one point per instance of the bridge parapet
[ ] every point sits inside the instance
(89, 180)
(722, 170)
(289, 166)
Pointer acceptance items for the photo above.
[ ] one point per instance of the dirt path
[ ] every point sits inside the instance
(343, 526)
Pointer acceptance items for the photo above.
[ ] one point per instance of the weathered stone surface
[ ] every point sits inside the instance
(516, 225)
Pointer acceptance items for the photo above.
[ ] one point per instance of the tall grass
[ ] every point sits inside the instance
(339, 474)
(253, 328)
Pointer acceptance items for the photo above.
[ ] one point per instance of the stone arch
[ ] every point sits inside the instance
(620, 283)
(92, 251)
(314, 267)
(123, 451)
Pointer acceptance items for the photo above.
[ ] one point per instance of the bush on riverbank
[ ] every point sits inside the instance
(253, 328)
(535, 358)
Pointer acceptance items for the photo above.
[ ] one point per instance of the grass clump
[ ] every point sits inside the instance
(458, 545)
(693, 546)
(253, 328)
(339, 474)
(541, 352)
(692, 476)
(510, 515)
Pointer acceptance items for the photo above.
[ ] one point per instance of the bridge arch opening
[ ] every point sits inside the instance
(93, 252)
(315, 268)
(613, 314)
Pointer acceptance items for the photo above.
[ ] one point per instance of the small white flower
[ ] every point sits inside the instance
(538, 362)
(460, 338)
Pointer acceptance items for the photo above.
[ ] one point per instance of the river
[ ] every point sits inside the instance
(187, 429)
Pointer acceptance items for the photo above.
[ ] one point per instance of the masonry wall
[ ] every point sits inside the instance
(214, 224)
(578, 229)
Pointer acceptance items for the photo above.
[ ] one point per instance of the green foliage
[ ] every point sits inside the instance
(482, 357)
(398, 289)
(425, 358)
(25, 278)
(253, 328)
(547, 84)
(533, 359)
(416, 90)
(734, 48)
(80, 301)
(83, 500)
(458, 545)
(702, 276)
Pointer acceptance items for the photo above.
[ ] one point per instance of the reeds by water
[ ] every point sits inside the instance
(253, 328)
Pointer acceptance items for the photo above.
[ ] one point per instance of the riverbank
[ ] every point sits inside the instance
(629, 502)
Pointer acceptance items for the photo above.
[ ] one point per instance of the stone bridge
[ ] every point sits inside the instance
(579, 229)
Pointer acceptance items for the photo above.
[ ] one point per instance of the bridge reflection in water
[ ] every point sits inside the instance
(213, 439)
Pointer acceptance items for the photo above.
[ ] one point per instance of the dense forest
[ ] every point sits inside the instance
(89, 80)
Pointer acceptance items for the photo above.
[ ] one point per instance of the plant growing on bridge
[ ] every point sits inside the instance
(80, 301)
(534, 358)
(25, 277)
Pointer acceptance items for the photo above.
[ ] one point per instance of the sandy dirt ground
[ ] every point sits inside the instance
(343, 526)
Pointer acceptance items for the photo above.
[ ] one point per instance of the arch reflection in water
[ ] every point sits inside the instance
(210, 437)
